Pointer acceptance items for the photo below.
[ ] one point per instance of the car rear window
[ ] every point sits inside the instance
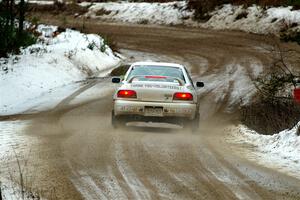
(160, 71)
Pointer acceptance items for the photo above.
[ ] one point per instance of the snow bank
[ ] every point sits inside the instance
(13, 191)
(280, 151)
(51, 63)
(143, 13)
(40, 2)
(14, 141)
(235, 81)
(227, 88)
(253, 19)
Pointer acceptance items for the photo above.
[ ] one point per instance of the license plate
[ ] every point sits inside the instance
(153, 112)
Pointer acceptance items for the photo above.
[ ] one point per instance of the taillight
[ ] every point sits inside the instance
(126, 94)
(183, 96)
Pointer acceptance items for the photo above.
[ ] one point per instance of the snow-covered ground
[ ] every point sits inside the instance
(280, 151)
(228, 88)
(40, 2)
(254, 19)
(12, 191)
(143, 13)
(50, 68)
(13, 143)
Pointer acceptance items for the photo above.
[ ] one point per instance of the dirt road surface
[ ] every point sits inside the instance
(74, 153)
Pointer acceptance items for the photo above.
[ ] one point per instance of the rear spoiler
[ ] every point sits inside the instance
(180, 81)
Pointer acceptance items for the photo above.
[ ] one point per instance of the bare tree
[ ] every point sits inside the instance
(280, 75)
(21, 16)
(0, 191)
(13, 36)
(11, 10)
(273, 108)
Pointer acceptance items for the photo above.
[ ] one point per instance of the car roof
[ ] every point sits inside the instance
(159, 64)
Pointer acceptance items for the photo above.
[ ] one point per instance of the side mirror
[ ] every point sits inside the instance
(199, 84)
(116, 80)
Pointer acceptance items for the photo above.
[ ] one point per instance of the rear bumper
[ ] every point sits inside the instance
(137, 108)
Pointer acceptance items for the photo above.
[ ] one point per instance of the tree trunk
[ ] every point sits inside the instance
(6, 13)
(11, 13)
(21, 16)
(0, 192)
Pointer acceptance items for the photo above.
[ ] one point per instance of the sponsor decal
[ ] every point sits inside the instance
(179, 110)
(171, 87)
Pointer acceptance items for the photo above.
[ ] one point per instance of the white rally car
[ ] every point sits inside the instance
(156, 92)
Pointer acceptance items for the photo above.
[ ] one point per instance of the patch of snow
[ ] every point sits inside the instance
(141, 13)
(12, 140)
(52, 63)
(14, 143)
(163, 189)
(11, 190)
(232, 87)
(136, 186)
(43, 2)
(86, 185)
(112, 184)
(254, 19)
(286, 13)
(103, 88)
(10, 135)
(47, 100)
(280, 151)
(225, 175)
(90, 190)
(132, 56)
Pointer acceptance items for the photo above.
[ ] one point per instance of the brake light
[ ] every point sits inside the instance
(183, 96)
(162, 77)
(126, 94)
(297, 95)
